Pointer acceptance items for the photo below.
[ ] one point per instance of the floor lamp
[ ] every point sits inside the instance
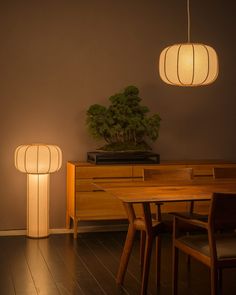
(38, 161)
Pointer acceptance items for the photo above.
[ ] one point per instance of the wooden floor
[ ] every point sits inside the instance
(62, 265)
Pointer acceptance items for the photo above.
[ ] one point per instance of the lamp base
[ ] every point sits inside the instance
(37, 205)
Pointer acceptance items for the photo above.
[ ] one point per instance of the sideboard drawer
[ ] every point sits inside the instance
(98, 172)
(98, 205)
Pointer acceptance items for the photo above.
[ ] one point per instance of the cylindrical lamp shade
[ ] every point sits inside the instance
(38, 158)
(37, 205)
(189, 64)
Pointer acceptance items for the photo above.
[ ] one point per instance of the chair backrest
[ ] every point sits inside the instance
(165, 175)
(222, 213)
(224, 172)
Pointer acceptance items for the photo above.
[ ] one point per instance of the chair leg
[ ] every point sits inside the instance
(146, 264)
(142, 248)
(158, 260)
(214, 281)
(125, 254)
(188, 260)
(175, 270)
(220, 281)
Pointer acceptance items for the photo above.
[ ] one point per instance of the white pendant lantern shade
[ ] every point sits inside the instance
(38, 158)
(188, 64)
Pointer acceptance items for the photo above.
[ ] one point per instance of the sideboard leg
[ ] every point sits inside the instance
(75, 228)
(67, 220)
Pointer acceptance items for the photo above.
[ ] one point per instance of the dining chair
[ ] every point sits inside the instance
(171, 176)
(216, 248)
(224, 172)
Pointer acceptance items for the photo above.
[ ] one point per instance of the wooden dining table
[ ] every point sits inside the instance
(147, 192)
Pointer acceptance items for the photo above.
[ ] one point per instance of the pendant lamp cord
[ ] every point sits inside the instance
(188, 12)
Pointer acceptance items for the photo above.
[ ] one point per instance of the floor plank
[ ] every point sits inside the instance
(65, 282)
(97, 268)
(110, 261)
(22, 279)
(6, 279)
(75, 266)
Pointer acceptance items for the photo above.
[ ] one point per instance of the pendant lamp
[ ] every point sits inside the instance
(188, 64)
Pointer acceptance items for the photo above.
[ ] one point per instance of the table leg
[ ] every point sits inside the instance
(148, 246)
(146, 264)
(158, 260)
(126, 254)
(142, 248)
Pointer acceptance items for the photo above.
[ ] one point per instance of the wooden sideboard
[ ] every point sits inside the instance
(85, 202)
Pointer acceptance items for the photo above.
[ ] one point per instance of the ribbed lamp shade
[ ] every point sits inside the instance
(38, 158)
(188, 64)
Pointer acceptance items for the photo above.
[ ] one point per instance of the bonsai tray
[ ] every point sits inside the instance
(104, 158)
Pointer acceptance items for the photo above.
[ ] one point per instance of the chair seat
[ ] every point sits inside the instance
(225, 244)
(157, 226)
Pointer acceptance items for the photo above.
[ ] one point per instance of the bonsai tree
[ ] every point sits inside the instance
(124, 125)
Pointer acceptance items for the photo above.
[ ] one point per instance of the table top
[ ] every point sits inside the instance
(152, 191)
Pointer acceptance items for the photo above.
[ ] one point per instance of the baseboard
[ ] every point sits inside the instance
(16, 232)
(82, 229)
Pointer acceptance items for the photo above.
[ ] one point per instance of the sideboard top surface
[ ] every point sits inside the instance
(162, 163)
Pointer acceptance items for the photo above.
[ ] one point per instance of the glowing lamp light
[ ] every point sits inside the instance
(38, 160)
(188, 64)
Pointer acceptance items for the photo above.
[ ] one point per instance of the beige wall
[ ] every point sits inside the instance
(57, 57)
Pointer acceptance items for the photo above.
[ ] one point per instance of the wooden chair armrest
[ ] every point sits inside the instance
(191, 221)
